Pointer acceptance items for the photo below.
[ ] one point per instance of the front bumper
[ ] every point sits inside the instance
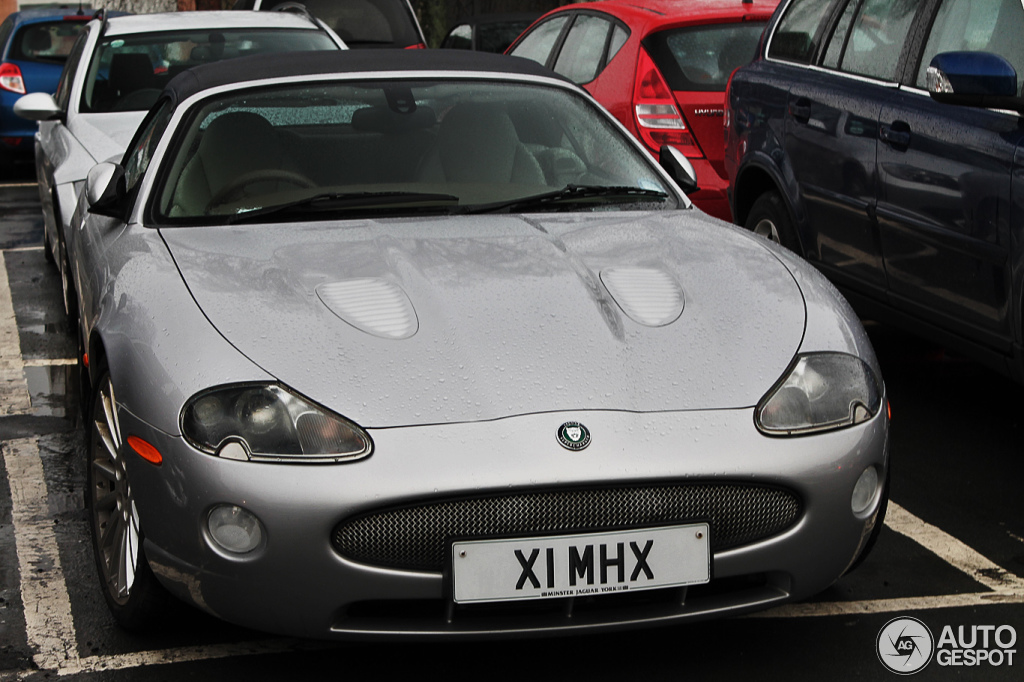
(295, 583)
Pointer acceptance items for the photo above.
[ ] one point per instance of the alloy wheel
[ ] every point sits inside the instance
(115, 518)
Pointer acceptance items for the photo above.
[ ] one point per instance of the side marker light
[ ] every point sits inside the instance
(145, 450)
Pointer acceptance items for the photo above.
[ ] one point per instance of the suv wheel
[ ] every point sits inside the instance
(770, 218)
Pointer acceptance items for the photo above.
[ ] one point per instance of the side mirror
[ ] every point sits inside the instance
(679, 168)
(38, 106)
(973, 79)
(105, 190)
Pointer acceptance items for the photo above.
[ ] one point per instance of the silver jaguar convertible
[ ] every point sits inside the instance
(393, 345)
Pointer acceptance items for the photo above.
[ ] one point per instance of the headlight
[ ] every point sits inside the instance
(269, 423)
(822, 391)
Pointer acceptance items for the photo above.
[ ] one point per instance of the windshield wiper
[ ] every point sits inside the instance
(568, 194)
(341, 202)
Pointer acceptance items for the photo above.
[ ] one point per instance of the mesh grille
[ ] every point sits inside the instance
(415, 538)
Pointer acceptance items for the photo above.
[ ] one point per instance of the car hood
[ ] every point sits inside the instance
(418, 321)
(106, 135)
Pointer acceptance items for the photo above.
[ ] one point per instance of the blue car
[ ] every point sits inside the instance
(883, 140)
(34, 44)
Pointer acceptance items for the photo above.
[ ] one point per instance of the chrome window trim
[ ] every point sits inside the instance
(844, 74)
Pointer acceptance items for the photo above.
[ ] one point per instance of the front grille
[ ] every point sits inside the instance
(415, 537)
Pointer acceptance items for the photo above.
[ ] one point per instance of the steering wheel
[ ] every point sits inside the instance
(236, 185)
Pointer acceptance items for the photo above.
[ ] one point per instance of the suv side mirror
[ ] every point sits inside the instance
(678, 168)
(973, 79)
(38, 106)
(105, 190)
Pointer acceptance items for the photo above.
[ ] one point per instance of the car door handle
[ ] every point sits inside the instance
(801, 110)
(897, 134)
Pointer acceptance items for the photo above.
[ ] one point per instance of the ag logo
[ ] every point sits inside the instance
(905, 645)
(573, 436)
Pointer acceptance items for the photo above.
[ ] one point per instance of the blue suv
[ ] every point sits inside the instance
(882, 140)
(34, 44)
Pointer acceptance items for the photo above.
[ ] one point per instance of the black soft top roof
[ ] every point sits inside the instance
(286, 64)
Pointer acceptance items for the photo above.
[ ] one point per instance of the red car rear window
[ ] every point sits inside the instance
(702, 58)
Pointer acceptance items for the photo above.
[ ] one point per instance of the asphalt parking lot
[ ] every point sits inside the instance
(951, 555)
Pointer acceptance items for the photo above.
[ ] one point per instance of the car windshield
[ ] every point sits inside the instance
(128, 72)
(302, 152)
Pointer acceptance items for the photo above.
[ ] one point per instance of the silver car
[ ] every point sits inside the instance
(114, 73)
(419, 344)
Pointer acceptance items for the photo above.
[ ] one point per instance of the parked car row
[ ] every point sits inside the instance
(425, 343)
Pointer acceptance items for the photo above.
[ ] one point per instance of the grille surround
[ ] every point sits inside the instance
(415, 536)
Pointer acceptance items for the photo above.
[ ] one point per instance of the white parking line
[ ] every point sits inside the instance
(1006, 588)
(14, 397)
(49, 622)
(50, 362)
(44, 593)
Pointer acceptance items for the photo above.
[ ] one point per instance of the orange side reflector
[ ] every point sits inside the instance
(85, 359)
(888, 410)
(145, 450)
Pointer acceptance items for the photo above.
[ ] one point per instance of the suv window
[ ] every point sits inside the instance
(962, 25)
(879, 32)
(794, 39)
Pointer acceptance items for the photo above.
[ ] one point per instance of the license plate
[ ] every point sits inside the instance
(556, 567)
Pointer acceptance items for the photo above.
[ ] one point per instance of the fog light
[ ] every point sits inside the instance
(864, 491)
(234, 529)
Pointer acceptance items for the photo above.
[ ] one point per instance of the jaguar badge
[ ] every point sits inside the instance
(573, 436)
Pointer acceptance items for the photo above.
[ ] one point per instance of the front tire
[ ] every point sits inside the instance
(770, 218)
(132, 592)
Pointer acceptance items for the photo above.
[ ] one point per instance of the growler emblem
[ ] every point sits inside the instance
(573, 436)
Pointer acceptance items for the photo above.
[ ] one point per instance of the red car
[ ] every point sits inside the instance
(660, 68)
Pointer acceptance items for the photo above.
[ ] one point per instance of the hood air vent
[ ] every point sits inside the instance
(649, 296)
(374, 306)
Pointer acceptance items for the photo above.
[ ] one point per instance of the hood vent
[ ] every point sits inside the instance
(374, 306)
(649, 296)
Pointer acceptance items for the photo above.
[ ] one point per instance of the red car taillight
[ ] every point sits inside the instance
(10, 78)
(657, 117)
